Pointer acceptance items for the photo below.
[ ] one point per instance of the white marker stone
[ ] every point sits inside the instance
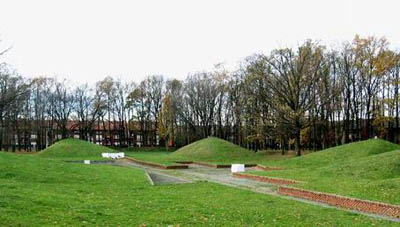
(113, 155)
(235, 168)
(86, 162)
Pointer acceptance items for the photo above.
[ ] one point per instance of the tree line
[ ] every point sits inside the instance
(308, 97)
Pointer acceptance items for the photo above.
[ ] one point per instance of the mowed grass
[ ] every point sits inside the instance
(74, 149)
(38, 191)
(367, 170)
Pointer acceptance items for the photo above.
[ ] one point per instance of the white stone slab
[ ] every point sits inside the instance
(235, 168)
(86, 162)
(113, 155)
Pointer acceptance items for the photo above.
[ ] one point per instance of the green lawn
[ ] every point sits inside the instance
(367, 170)
(38, 191)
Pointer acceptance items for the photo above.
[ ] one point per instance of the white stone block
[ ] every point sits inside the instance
(113, 155)
(235, 168)
(86, 162)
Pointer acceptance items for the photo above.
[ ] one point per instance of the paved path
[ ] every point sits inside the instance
(202, 173)
(160, 179)
(223, 176)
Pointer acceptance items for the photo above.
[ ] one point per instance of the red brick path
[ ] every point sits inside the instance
(272, 180)
(344, 202)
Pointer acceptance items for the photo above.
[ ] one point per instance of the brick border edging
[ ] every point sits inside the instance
(156, 165)
(344, 202)
(250, 165)
(272, 180)
(216, 166)
(267, 168)
(184, 162)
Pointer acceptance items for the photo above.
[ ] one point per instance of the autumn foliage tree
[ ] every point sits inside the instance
(166, 121)
(373, 60)
(292, 79)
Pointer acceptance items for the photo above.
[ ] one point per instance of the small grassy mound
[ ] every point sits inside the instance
(74, 149)
(214, 150)
(368, 170)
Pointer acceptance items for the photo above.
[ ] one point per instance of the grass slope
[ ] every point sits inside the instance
(349, 152)
(214, 150)
(367, 170)
(74, 149)
(48, 192)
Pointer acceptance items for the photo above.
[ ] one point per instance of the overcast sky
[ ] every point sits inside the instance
(87, 40)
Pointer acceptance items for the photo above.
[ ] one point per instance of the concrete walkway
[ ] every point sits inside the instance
(202, 173)
(223, 176)
(158, 179)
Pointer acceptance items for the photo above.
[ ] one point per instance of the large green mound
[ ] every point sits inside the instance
(368, 170)
(345, 153)
(74, 149)
(372, 159)
(213, 149)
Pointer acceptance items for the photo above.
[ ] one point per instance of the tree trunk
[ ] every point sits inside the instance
(283, 145)
(297, 142)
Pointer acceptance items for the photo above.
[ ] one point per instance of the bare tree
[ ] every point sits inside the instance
(13, 90)
(88, 106)
(137, 102)
(201, 96)
(61, 105)
(107, 88)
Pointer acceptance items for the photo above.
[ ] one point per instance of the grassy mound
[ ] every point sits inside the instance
(368, 170)
(344, 153)
(213, 150)
(74, 149)
(46, 192)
